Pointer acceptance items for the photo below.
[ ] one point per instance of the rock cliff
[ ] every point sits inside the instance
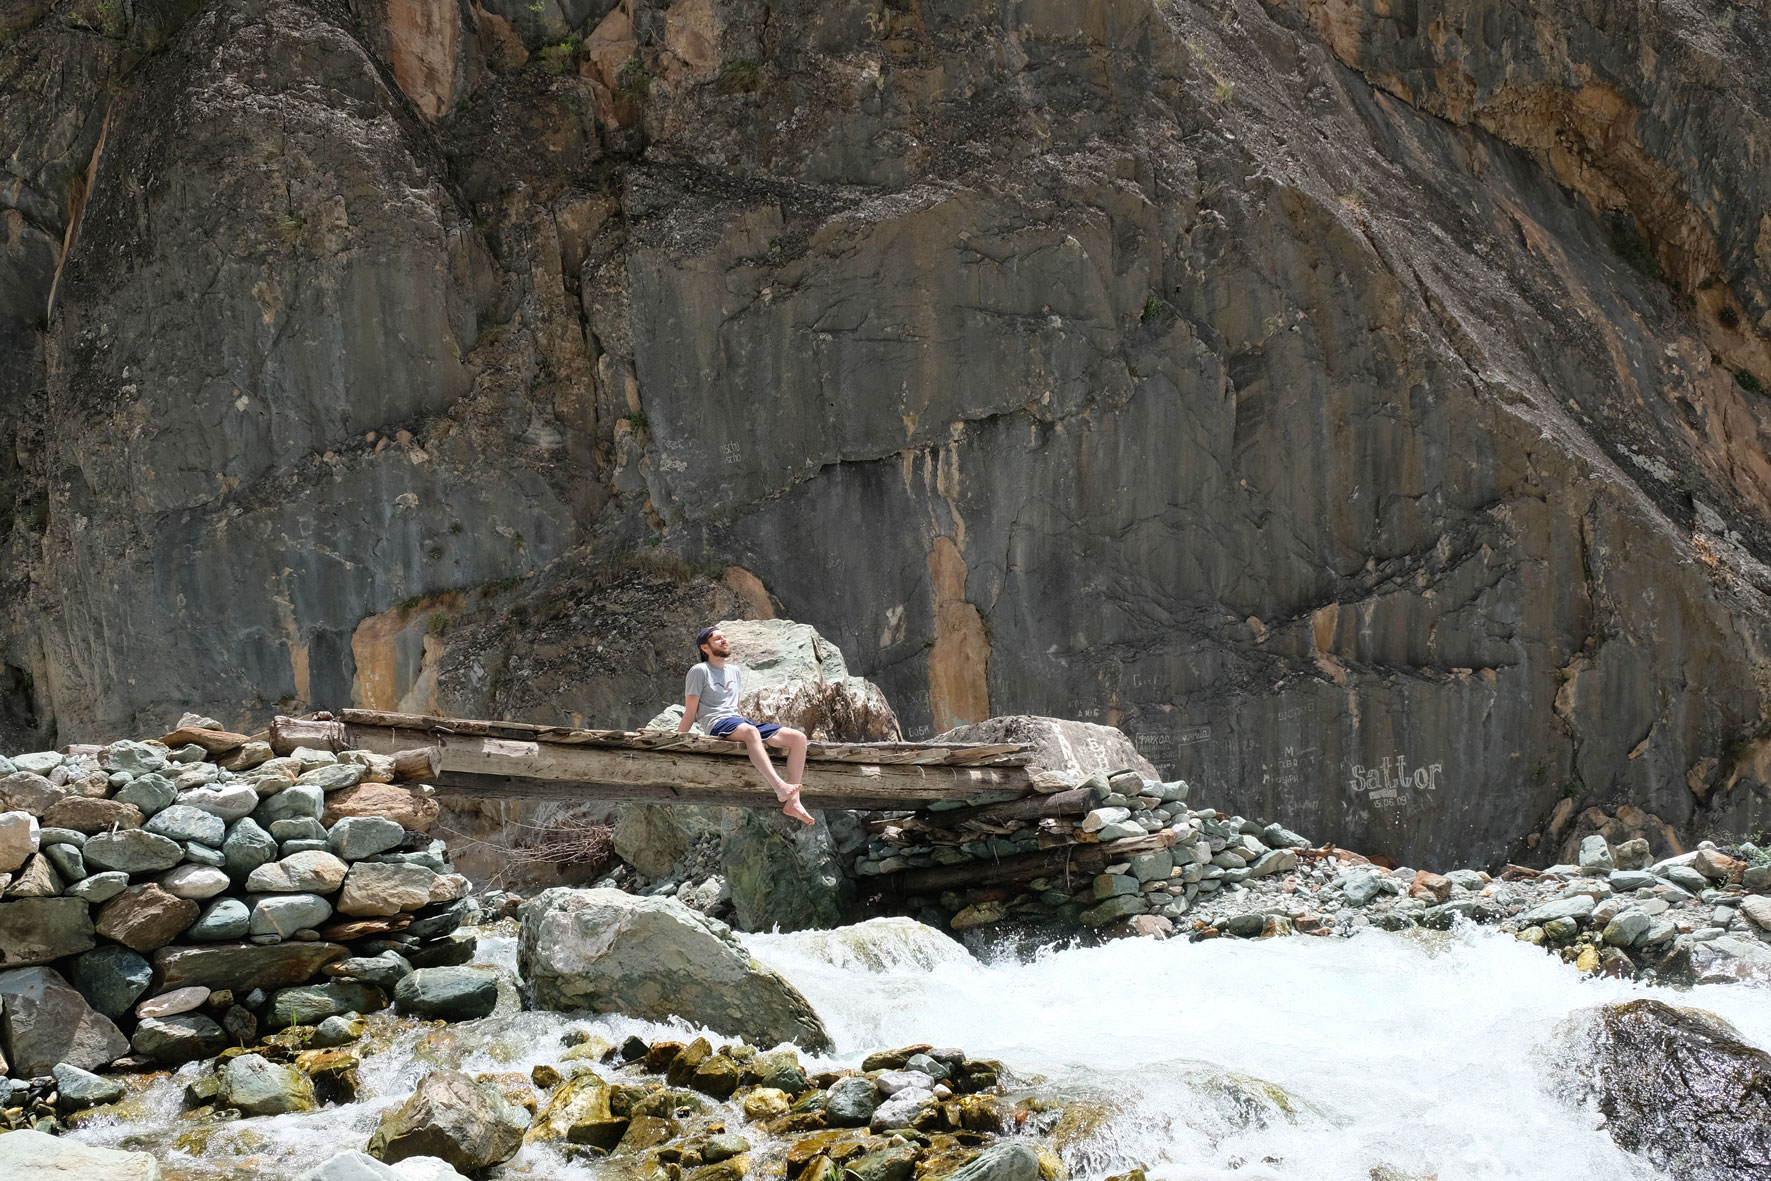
(1357, 403)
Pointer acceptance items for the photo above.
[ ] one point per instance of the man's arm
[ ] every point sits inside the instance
(691, 704)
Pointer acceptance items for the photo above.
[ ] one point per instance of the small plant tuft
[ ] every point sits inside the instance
(1638, 252)
(1749, 382)
(1728, 316)
(638, 420)
(633, 80)
(1223, 92)
(1152, 309)
(437, 624)
(1573, 789)
(739, 77)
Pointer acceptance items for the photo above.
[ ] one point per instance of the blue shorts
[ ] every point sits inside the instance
(724, 727)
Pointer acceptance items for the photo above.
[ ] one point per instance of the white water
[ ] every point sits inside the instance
(1426, 1055)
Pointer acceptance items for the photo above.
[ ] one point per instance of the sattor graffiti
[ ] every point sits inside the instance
(1384, 781)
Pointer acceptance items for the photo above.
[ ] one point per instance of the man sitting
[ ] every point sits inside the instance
(711, 693)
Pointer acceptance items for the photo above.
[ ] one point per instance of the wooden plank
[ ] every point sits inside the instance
(602, 771)
(1079, 862)
(752, 795)
(1074, 802)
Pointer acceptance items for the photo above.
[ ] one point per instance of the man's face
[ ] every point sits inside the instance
(717, 646)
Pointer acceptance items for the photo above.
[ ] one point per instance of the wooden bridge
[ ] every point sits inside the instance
(513, 759)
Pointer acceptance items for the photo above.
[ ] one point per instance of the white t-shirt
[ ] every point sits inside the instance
(718, 690)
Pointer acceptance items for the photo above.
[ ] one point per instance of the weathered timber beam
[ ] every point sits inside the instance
(1074, 802)
(753, 795)
(1074, 860)
(600, 772)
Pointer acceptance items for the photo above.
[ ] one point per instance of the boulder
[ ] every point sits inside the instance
(145, 917)
(580, 1101)
(150, 793)
(257, 1086)
(289, 804)
(111, 978)
(650, 837)
(449, 994)
(384, 971)
(79, 1089)
(173, 1041)
(99, 887)
(23, 791)
(247, 847)
(242, 967)
(783, 873)
(1595, 855)
(181, 822)
(653, 958)
(133, 758)
(133, 851)
(36, 1156)
(796, 677)
(196, 882)
(378, 888)
(225, 918)
(470, 1125)
(409, 807)
(44, 1021)
(356, 837)
(19, 839)
(310, 1004)
(312, 872)
(88, 815)
(1075, 749)
(283, 915)
(1678, 1087)
(37, 879)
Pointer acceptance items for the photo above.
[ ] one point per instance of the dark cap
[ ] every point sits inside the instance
(700, 639)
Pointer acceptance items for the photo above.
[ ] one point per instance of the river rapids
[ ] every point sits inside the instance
(1384, 1055)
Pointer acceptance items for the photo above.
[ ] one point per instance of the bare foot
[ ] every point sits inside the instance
(796, 809)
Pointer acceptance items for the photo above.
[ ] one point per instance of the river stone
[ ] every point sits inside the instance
(356, 837)
(384, 971)
(901, 1109)
(150, 793)
(242, 967)
(1114, 908)
(1361, 888)
(359, 1166)
(310, 1004)
(312, 872)
(171, 1004)
(43, 1021)
(100, 887)
(225, 918)
(20, 838)
(285, 914)
(1627, 927)
(247, 847)
(579, 1101)
(133, 851)
(181, 822)
(68, 861)
(173, 1041)
(1679, 1087)
(376, 888)
(145, 917)
(133, 758)
(257, 1086)
(470, 1125)
(850, 1102)
(1685, 877)
(88, 814)
(443, 922)
(1626, 880)
(23, 791)
(226, 801)
(783, 874)
(1112, 885)
(1595, 855)
(1010, 1161)
(1273, 861)
(444, 953)
(36, 1156)
(1152, 867)
(653, 958)
(196, 882)
(1632, 855)
(290, 803)
(80, 1089)
(451, 994)
(1757, 909)
(111, 978)
(1579, 907)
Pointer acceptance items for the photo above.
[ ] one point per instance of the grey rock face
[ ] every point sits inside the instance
(783, 873)
(43, 1021)
(652, 957)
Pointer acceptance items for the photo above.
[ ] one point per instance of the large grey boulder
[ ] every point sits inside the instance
(257, 1086)
(43, 1021)
(783, 874)
(1076, 749)
(35, 1156)
(41, 930)
(470, 1125)
(111, 978)
(653, 958)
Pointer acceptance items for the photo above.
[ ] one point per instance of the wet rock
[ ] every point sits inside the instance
(34, 1156)
(111, 978)
(312, 1003)
(133, 851)
(44, 1021)
(146, 917)
(356, 837)
(850, 1102)
(579, 1102)
(352, 1166)
(1680, 1088)
(376, 888)
(1722, 959)
(468, 1124)
(783, 874)
(242, 967)
(80, 1089)
(172, 1041)
(892, 1163)
(1000, 1162)
(653, 958)
(338, 1031)
(313, 872)
(901, 1108)
(19, 838)
(444, 953)
(451, 994)
(257, 1086)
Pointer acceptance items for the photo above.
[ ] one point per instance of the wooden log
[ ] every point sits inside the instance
(421, 764)
(1074, 802)
(503, 766)
(1082, 861)
(214, 741)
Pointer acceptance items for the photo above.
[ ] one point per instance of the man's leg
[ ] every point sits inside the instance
(794, 743)
(759, 758)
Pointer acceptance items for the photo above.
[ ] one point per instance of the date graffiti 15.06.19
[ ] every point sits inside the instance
(1392, 775)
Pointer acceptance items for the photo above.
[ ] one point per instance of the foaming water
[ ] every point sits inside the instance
(1283, 1058)
(1304, 1059)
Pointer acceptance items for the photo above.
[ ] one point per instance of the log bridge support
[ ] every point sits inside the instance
(516, 760)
